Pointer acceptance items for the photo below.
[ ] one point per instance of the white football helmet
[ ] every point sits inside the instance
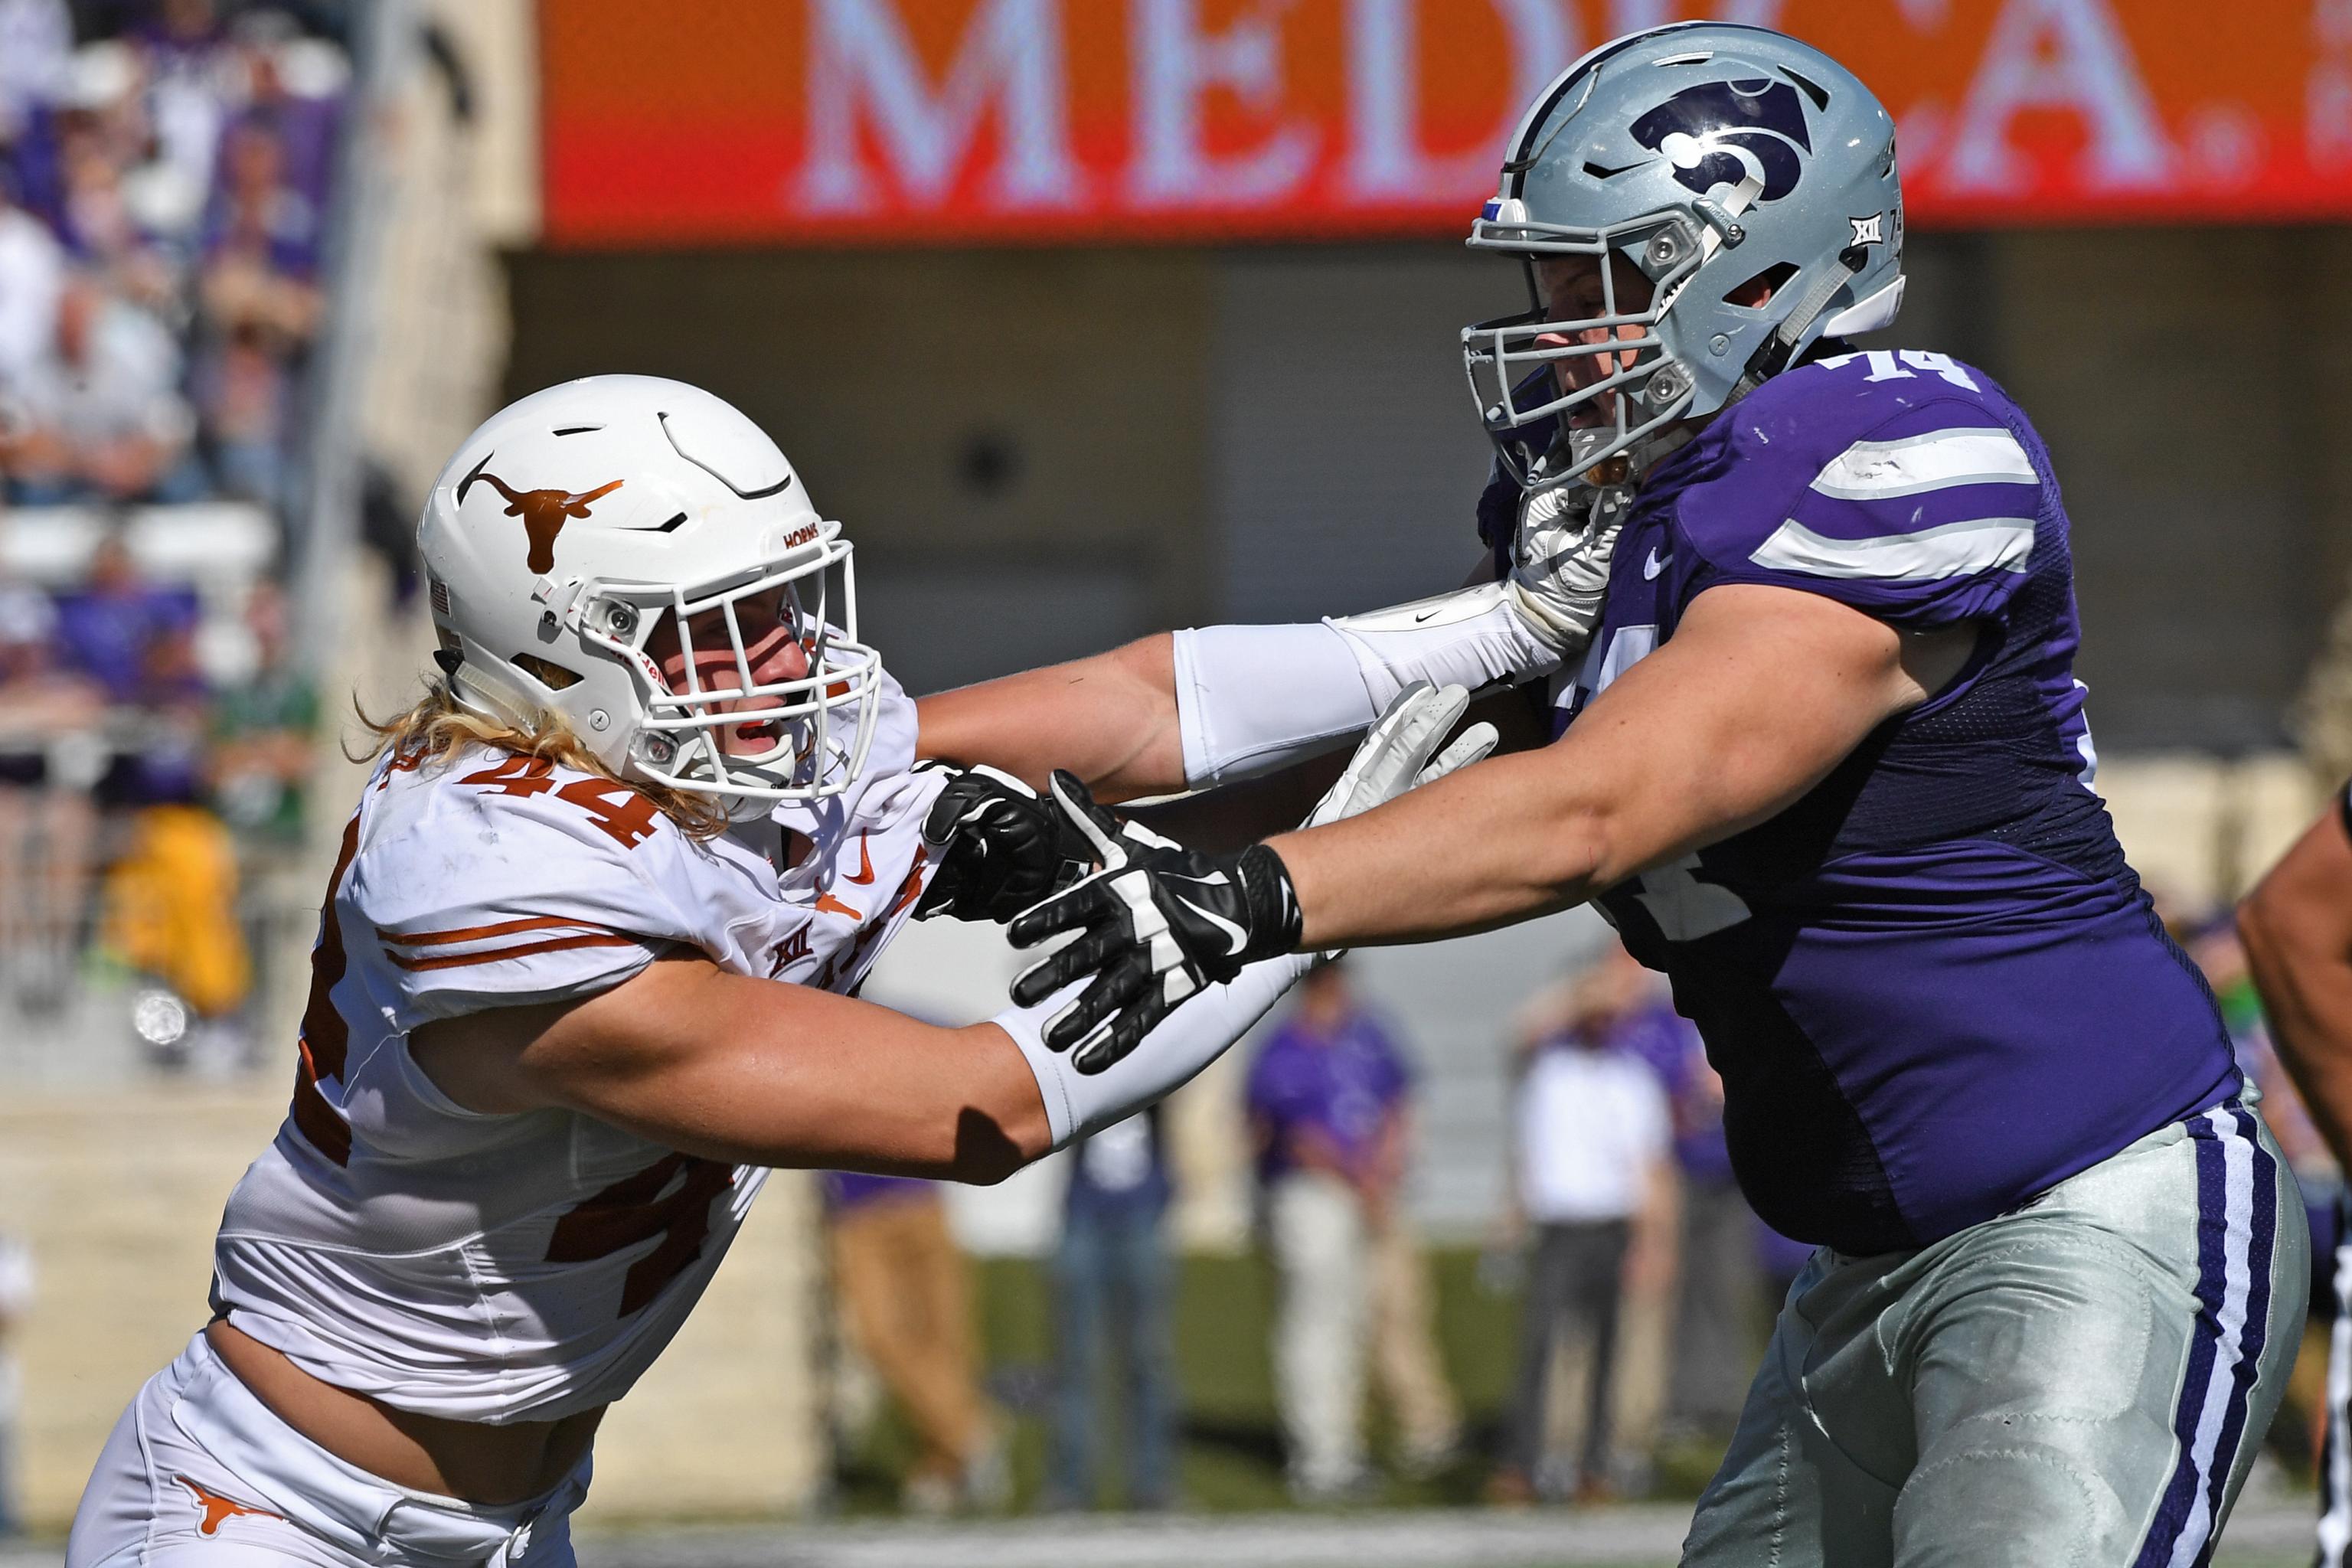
(570, 524)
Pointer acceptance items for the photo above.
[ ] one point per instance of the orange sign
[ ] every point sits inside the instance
(937, 121)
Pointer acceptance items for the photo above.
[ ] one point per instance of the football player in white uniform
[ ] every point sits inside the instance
(587, 968)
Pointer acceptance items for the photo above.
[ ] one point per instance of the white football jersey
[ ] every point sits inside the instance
(499, 1269)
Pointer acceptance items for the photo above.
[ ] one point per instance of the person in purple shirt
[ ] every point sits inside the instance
(1326, 1099)
(1324, 1090)
(134, 641)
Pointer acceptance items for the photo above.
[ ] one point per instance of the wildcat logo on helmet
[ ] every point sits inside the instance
(1730, 130)
(543, 512)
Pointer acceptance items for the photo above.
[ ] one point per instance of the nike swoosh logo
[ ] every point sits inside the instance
(1655, 565)
(1423, 617)
(865, 864)
(1235, 934)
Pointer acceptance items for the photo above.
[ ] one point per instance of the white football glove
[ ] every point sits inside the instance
(1394, 754)
(1560, 560)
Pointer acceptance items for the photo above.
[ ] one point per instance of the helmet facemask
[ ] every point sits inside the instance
(702, 729)
(1531, 417)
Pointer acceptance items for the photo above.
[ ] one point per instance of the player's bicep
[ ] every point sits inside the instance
(572, 1054)
(1760, 693)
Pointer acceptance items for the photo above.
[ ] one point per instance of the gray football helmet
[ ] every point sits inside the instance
(1708, 155)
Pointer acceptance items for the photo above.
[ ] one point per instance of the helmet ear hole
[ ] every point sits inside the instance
(1759, 288)
(547, 672)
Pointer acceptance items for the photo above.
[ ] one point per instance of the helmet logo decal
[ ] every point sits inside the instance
(1720, 133)
(543, 512)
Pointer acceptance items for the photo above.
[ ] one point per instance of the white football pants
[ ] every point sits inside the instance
(199, 1474)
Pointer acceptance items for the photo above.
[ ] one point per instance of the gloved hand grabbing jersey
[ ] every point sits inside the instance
(1159, 921)
(1000, 847)
(1560, 560)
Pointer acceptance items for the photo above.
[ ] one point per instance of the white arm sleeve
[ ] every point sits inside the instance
(1250, 700)
(1196, 1033)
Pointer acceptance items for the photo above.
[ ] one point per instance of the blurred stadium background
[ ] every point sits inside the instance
(1089, 319)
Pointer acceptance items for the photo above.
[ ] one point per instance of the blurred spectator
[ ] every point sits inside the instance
(133, 638)
(102, 415)
(15, 1301)
(1326, 1099)
(259, 212)
(1717, 1294)
(259, 311)
(114, 205)
(906, 1295)
(171, 916)
(194, 74)
(185, 169)
(35, 39)
(51, 755)
(32, 277)
(1114, 1286)
(1591, 1160)
(263, 732)
(1408, 1372)
(298, 83)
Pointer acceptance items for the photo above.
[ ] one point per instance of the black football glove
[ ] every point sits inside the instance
(1001, 849)
(1157, 922)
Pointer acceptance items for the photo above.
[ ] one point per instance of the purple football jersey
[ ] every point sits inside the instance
(1932, 986)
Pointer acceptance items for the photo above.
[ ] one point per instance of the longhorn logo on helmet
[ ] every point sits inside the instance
(543, 512)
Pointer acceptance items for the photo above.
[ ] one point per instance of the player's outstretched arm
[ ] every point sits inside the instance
(2297, 929)
(759, 1072)
(754, 1071)
(1213, 705)
(1760, 693)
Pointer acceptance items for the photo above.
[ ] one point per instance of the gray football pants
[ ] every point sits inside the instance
(2084, 1379)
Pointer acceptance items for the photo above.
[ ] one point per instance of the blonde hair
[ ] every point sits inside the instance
(435, 729)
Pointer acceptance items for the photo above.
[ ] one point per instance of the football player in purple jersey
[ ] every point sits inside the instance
(1817, 749)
